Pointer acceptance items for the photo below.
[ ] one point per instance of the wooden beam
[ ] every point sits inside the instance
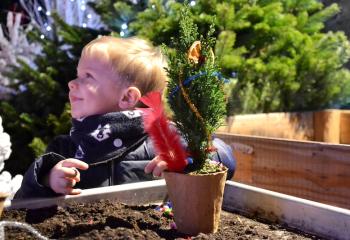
(345, 127)
(280, 125)
(330, 125)
(327, 126)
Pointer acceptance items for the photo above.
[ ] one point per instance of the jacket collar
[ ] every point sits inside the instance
(99, 137)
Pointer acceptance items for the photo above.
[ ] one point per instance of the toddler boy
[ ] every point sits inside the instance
(107, 144)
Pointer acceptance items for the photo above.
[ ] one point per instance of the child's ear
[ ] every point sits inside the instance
(130, 98)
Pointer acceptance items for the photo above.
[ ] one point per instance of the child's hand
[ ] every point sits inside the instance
(156, 166)
(64, 175)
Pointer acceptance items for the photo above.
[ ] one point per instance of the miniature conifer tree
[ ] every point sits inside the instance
(195, 91)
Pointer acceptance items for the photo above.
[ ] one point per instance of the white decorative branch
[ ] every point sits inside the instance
(14, 45)
(73, 12)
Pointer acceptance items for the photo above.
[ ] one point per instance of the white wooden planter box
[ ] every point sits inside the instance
(308, 216)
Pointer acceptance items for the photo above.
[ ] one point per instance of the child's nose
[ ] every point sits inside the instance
(72, 84)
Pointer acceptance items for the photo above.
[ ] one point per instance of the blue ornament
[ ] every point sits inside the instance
(189, 160)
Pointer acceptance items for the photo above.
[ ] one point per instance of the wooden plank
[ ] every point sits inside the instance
(330, 125)
(245, 164)
(345, 127)
(281, 125)
(327, 126)
(311, 170)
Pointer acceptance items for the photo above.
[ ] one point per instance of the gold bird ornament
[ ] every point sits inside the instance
(194, 54)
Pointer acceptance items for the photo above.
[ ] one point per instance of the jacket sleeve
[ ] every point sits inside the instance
(32, 186)
(132, 169)
(225, 156)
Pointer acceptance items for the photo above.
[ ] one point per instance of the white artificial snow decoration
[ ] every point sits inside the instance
(14, 45)
(7, 183)
(77, 13)
(134, 1)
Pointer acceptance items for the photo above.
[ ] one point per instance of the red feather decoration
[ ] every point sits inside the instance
(165, 139)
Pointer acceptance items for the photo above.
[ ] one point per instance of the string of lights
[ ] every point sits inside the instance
(73, 12)
(124, 32)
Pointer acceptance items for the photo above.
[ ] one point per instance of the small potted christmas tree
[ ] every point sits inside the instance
(197, 100)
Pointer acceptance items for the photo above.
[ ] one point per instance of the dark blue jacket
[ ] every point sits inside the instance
(126, 170)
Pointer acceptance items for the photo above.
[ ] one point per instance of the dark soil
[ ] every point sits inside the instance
(110, 220)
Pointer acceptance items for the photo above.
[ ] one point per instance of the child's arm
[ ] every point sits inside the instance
(224, 155)
(35, 182)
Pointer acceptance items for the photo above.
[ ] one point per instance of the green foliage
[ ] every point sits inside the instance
(38, 146)
(114, 13)
(60, 124)
(195, 93)
(284, 63)
(158, 22)
(274, 49)
(39, 111)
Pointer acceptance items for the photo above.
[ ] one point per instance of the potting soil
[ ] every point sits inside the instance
(106, 219)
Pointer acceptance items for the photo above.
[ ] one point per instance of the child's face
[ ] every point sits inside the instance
(96, 89)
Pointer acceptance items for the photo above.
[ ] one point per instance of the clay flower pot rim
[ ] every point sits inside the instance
(199, 174)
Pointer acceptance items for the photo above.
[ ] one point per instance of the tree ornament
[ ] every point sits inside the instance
(195, 56)
(194, 53)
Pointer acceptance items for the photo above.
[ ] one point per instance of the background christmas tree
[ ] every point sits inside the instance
(274, 49)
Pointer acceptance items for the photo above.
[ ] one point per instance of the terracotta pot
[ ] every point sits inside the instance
(3, 197)
(197, 200)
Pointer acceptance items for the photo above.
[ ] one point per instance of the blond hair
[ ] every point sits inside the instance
(134, 60)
